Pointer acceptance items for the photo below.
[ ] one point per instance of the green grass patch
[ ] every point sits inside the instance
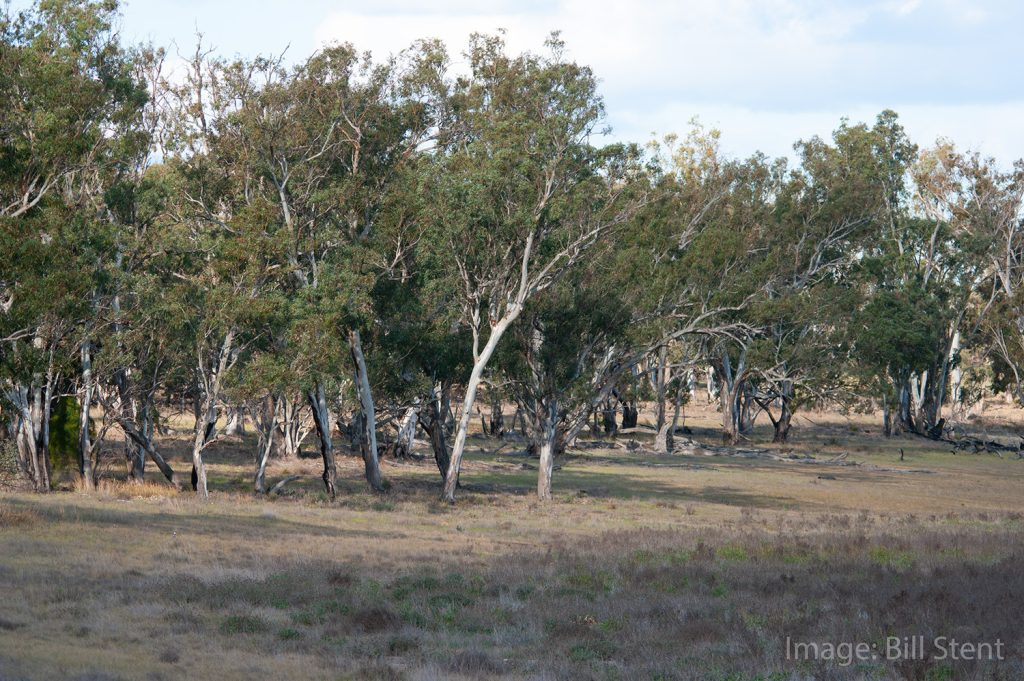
(588, 584)
(891, 558)
(733, 553)
(244, 624)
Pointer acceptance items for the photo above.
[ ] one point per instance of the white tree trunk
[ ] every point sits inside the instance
(451, 480)
(236, 421)
(956, 377)
(661, 381)
(206, 420)
(549, 432)
(25, 432)
(266, 422)
(407, 430)
(711, 384)
(199, 440)
(85, 468)
(371, 458)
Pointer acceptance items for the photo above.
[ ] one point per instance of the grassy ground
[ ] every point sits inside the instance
(643, 567)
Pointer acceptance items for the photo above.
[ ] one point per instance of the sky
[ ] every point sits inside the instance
(765, 72)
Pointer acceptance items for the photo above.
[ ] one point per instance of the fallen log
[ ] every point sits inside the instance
(276, 489)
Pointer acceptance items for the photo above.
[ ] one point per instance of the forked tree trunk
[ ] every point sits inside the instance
(630, 414)
(407, 432)
(25, 432)
(730, 395)
(547, 418)
(146, 443)
(451, 479)
(368, 443)
(266, 423)
(670, 440)
(135, 454)
(202, 431)
(43, 446)
(236, 421)
(785, 420)
(322, 419)
(904, 419)
(661, 440)
(783, 424)
(209, 393)
(435, 425)
(664, 443)
(292, 428)
(747, 411)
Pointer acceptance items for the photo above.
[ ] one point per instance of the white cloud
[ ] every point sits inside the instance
(991, 129)
(768, 72)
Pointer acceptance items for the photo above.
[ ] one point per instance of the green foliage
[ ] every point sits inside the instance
(64, 434)
(221, 240)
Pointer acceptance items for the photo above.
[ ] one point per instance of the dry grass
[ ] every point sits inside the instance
(643, 567)
(14, 517)
(128, 489)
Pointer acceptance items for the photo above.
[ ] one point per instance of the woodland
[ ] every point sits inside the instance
(384, 246)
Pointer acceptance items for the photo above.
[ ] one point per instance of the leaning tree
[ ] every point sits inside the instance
(509, 170)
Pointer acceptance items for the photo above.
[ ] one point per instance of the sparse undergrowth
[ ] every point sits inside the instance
(702, 603)
(643, 567)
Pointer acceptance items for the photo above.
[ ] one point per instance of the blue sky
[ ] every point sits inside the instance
(766, 72)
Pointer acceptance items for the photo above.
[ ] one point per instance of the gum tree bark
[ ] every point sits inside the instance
(731, 394)
(481, 358)
(85, 468)
(434, 424)
(146, 443)
(25, 431)
(407, 432)
(322, 420)
(660, 383)
(207, 421)
(368, 442)
(547, 418)
(292, 427)
(266, 424)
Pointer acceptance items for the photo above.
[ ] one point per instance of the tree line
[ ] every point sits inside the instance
(381, 246)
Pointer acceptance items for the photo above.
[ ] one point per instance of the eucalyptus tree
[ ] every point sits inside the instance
(925, 249)
(713, 266)
(319, 146)
(220, 252)
(69, 96)
(974, 208)
(561, 353)
(987, 202)
(507, 221)
(827, 212)
(133, 354)
(419, 350)
(894, 337)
